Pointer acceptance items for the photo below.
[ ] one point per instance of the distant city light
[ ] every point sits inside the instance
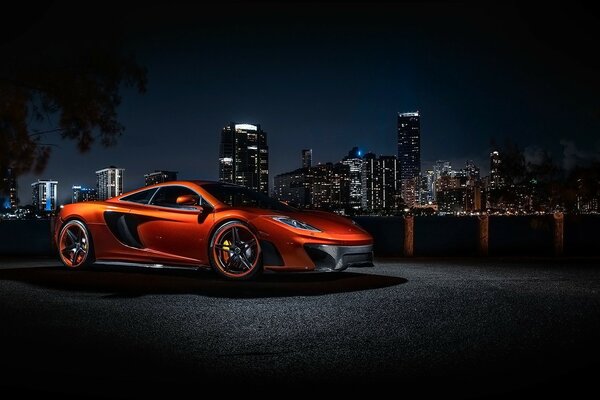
(409, 114)
(247, 127)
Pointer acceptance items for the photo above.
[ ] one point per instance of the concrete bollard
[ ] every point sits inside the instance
(559, 230)
(409, 224)
(484, 224)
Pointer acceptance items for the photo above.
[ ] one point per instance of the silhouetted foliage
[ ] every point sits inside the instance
(544, 182)
(513, 167)
(539, 182)
(61, 76)
(582, 186)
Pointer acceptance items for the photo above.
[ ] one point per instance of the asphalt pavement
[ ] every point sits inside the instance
(427, 327)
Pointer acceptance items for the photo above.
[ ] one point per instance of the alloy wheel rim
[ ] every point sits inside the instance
(74, 244)
(236, 250)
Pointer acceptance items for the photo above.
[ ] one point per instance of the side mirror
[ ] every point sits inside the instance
(187, 200)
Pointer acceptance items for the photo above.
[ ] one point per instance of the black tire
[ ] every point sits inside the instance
(75, 246)
(241, 256)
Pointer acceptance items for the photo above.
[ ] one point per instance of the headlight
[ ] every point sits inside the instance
(356, 224)
(294, 223)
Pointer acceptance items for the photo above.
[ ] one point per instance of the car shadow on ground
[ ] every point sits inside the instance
(123, 282)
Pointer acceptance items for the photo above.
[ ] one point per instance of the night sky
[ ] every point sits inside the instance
(330, 77)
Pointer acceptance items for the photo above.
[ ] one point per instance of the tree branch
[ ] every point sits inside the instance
(45, 132)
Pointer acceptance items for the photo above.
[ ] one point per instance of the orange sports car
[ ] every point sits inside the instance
(229, 228)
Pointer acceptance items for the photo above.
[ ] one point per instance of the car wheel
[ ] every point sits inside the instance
(235, 251)
(75, 246)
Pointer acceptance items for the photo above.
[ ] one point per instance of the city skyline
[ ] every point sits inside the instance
(367, 184)
(331, 185)
(425, 187)
(331, 80)
(137, 181)
(165, 175)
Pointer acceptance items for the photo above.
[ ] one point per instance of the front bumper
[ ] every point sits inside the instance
(337, 258)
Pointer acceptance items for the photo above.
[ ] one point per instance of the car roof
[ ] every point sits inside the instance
(197, 182)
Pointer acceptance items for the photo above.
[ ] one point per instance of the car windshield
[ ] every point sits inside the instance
(238, 196)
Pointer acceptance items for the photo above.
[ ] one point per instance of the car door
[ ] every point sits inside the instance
(171, 232)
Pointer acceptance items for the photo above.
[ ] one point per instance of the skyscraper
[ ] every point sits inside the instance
(473, 187)
(409, 154)
(44, 193)
(10, 182)
(159, 176)
(82, 193)
(496, 181)
(389, 182)
(379, 183)
(354, 161)
(110, 182)
(306, 158)
(440, 169)
(472, 170)
(427, 188)
(294, 187)
(329, 186)
(324, 186)
(244, 156)
(370, 185)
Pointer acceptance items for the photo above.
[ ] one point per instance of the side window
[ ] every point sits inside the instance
(142, 197)
(167, 196)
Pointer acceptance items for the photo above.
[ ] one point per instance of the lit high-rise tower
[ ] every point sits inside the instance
(306, 158)
(409, 154)
(110, 182)
(44, 193)
(496, 181)
(370, 185)
(82, 193)
(244, 156)
(379, 183)
(354, 160)
(10, 184)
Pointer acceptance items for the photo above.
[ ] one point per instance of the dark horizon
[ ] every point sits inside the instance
(333, 76)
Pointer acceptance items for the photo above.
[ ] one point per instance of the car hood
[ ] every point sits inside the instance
(324, 221)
